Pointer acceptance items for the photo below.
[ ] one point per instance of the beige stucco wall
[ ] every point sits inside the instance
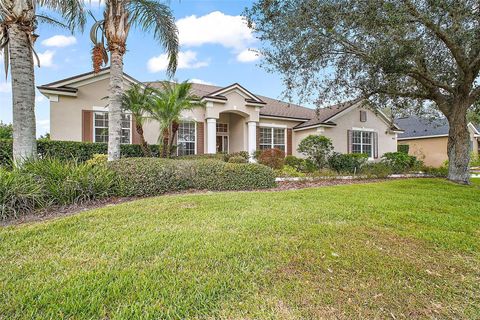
(433, 151)
(386, 139)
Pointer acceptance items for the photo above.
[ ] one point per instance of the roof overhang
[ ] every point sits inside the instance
(424, 137)
(266, 116)
(318, 125)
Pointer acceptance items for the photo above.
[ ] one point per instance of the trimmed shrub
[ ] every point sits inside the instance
(347, 163)
(97, 159)
(273, 158)
(150, 176)
(289, 171)
(403, 148)
(217, 156)
(294, 162)
(317, 149)
(72, 150)
(237, 159)
(241, 154)
(401, 162)
(376, 170)
(441, 172)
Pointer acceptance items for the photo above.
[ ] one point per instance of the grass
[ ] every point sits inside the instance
(397, 249)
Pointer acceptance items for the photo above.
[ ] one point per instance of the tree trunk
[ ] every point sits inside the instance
(115, 105)
(23, 95)
(143, 143)
(458, 147)
(164, 151)
(175, 126)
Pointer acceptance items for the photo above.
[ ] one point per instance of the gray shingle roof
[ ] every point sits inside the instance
(415, 126)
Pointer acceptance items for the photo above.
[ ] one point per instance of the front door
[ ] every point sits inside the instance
(222, 144)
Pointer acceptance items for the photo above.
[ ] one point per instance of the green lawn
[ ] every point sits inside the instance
(398, 249)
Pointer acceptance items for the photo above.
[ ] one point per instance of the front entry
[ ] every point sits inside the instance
(222, 144)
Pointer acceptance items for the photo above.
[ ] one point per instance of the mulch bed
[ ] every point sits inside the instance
(57, 212)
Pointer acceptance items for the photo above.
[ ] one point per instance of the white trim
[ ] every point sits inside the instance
(272, 145)
(286, 118)
(48, 92)
(475, 131)
(53, 98)
(315, 126)
(235, 87)
(102, 109)
(363, 129)
(272, 125)
(195, 139)
(214, 100)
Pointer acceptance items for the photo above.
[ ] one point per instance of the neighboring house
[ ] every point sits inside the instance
(233, 119)
(427, 139)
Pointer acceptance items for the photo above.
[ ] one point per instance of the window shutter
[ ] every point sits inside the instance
(200, 138)
(289, 142)
(349, 141)
(363, 116)
(375, 145)
(87, 126)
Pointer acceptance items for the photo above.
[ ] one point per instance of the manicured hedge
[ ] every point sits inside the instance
(68, 150)
(153, 176)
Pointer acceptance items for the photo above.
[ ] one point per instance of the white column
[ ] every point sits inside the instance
(211, 135)
(252, 139)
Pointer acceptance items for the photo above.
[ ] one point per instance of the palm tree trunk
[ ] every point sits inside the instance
(165, 142)
(23, 95)
(115, 104)
(143, 142)
(175, 126)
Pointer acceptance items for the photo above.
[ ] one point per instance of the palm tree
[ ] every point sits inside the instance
(167, 107)
(137, 100)
(118, 17)
(18, 21)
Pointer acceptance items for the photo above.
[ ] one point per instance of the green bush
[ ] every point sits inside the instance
(217, 156)
(237, 159)
(347, 163)
(376, 170)
(401, 162)
(441, 172)
(241, 154)
(403, 148)
(289, 171)
(475, 160)
(151, 176)
(273, 158)
(19, 194)
(72, 150)
(317, 149)
(97, 159)
(70, 182)
(294, 162)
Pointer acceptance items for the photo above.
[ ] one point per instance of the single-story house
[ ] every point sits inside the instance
(233, 119)
(427, 139)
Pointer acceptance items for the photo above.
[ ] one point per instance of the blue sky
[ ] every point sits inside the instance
(215, 48)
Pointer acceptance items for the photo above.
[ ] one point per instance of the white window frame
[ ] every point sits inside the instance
(372, 142)
(195, 135)
(106, 112)
(272, 144)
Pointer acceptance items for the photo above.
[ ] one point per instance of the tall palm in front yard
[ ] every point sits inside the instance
(18, 21)
(167, 107)
(118, 17)
(137, 100)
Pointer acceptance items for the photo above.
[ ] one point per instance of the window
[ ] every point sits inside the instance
(222, 128)
(362, 142)
(186, 138)
(272, 138)
(100, 125)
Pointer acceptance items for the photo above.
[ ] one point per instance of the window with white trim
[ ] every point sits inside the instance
(362, 142)
(100, 127)
(186, 138)
(272, 138)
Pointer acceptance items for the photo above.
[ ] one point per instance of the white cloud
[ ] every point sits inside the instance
(248, 55)
(215, 28)
(186, 60)
(43, 126)
(46, 58)
(59, 41)
(5, 87)
(39, 97)
(200, 81)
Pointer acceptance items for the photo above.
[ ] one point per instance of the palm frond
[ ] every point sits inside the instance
(43, 18)
(151, 15)
(73, 11)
